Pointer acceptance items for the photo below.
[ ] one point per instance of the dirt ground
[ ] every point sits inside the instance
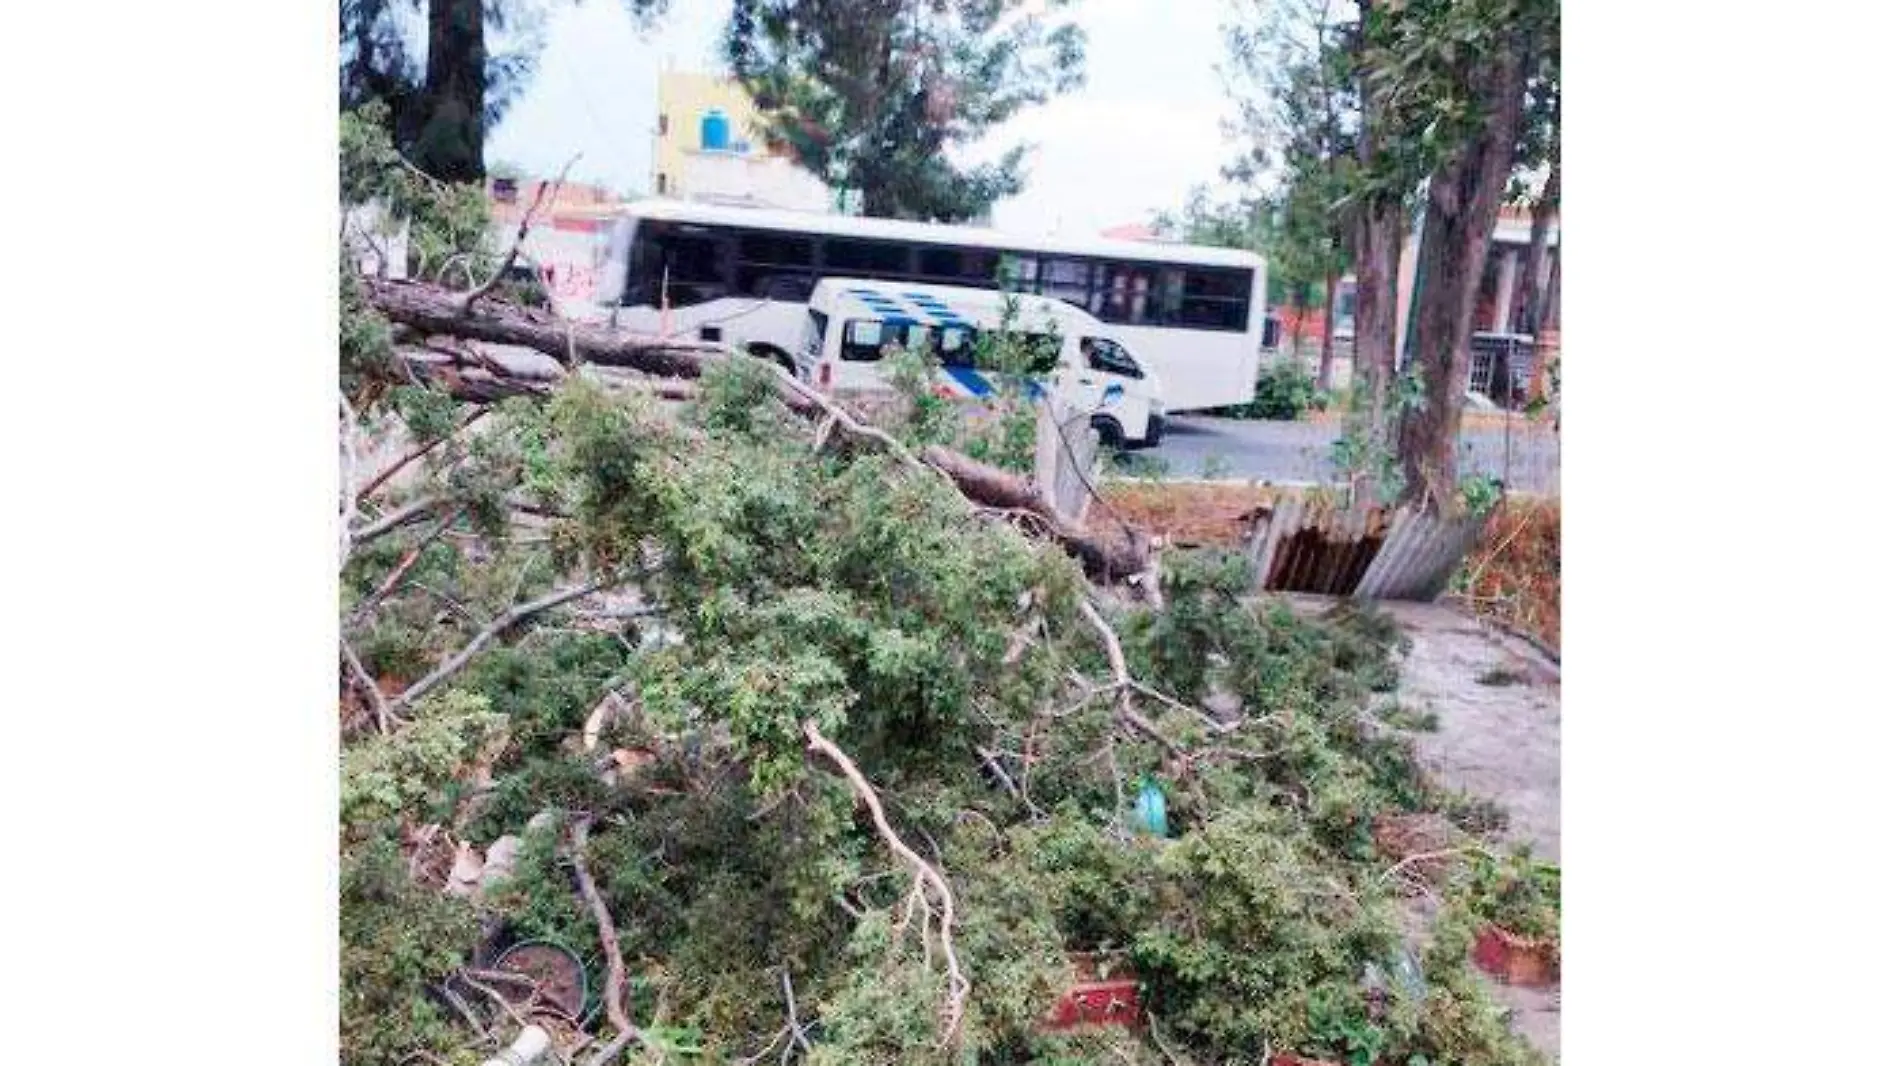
(1496, 741)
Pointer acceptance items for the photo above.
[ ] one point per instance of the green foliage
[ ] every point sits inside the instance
(1400, 716)
(1284, 393)
(1518, 893)
(854, 592)
(389, 777)
(1480, 494)
(448, 223)
(398, 940)
(870, 97)
(364, 344)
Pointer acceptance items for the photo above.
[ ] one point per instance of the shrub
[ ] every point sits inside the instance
(1284, 392)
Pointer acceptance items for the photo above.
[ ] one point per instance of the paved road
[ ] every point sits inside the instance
(1198, 446)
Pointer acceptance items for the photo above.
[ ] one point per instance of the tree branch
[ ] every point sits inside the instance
(402, 569)
(495, 629)
(385, 716)
(614, 996)
(1118, 665)
(433, 311)
(414, 511)
(378, 481)
(521, 234)
(927, 874)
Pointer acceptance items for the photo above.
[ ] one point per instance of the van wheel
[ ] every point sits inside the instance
(1109, 432)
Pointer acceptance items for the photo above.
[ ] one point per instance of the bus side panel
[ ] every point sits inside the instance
(1199, 369)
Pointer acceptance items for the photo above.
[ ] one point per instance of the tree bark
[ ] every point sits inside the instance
(1326, 333)
(1461, 210)
(1299, 317)
(1535, 269)
(449, 144)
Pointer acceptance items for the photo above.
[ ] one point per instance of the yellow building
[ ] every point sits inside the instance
(685, 98)
(737, 169)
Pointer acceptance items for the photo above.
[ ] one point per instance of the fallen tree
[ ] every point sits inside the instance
(473, 372)
(808, 743)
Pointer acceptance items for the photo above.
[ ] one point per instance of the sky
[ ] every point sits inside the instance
(1142, 130)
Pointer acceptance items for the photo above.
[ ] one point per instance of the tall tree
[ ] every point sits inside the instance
(870, 94)
(442, 105)
(1541, 146)
(1464, 70)
(1287, 74)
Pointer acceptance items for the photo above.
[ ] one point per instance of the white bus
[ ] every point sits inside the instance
(852, 324)
(741, 276)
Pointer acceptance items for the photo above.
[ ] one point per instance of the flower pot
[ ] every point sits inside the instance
(1513, 959)
(1094, 999)
(560, 980)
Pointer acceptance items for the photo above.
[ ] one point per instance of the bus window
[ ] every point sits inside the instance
(1016, 272)
(1066, 280)
(880, 260)
(691, 266)
(975, 267)
(775, 266)
(1121, 293)
(1214, 298)
(956, 346)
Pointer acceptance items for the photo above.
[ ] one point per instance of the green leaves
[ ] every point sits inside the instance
(388, 777)
(869, 96)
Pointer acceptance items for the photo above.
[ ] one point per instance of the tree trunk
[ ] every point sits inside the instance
(1535, 269)
(1326, 334)
(1299, 319)
(449, 145)
(1461, 210)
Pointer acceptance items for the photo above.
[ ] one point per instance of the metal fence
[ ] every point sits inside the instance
(1314, 542)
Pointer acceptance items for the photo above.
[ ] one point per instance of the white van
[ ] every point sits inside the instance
(851, 323)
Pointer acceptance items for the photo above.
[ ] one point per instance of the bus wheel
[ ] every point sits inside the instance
(1110, 432)
(773, 354)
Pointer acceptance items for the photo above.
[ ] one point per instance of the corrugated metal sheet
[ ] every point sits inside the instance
(1315, 543)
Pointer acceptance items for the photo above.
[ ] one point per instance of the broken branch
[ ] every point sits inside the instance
(521, 234)
(385, 716)
(433, 310)
(395, 468)
(926, 873)
(614, 996)
(414, 511)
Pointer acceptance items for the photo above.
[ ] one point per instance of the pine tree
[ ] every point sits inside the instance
(870, 94)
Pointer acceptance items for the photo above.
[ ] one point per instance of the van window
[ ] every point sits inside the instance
(1106, 356)
(863, 341)
(815, 325)
(866, 338)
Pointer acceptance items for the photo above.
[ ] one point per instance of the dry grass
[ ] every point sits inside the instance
(1515, 574)
(1189, 514)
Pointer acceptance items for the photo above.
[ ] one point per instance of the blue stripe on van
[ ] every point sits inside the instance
(969, 379)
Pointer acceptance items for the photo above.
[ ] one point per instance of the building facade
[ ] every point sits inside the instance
(708, 148)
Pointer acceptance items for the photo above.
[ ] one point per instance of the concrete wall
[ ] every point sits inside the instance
(755, 180)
